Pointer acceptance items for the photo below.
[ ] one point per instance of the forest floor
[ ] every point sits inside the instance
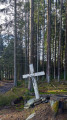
(42, 111)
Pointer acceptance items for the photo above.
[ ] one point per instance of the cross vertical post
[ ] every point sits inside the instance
(34, 81)
(32, 75)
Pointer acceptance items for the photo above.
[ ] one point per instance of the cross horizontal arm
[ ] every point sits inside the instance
(34, 74)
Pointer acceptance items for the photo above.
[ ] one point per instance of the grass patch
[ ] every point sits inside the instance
(44, 88)
(8, 97)
(52, 88)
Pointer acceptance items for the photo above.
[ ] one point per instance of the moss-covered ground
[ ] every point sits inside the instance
(21, 90)
(13, 93)
(18, 112)
(52, 87)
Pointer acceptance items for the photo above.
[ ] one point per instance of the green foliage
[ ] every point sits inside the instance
(19, 83)
(27, 7)
(7, 98)
(52, 88)
(39, 12)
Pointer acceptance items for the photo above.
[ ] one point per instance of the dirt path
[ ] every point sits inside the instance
(5, 87)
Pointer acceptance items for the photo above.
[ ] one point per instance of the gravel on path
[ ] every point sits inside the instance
(6, 87)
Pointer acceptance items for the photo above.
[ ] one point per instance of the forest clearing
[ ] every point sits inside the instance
(33, 59)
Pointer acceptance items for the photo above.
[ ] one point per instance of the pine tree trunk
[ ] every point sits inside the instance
(15, 40)
(59, 52)
(37, 37)
(55, 42)
(25, 46)
(43, 38)
(65, 70)
(31, 46)
(48, 41)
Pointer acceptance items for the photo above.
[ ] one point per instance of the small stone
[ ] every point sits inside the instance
(29, 103)
(32, 103)
(31, 116)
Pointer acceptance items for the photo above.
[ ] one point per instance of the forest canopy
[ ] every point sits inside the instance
(37, 33)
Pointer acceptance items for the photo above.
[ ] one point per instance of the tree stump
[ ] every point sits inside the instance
(58, 103)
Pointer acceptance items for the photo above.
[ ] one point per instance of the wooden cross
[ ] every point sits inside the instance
(32, 75)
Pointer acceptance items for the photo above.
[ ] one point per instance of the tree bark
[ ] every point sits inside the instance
(48, 40)
(31, 46)
(15, 42)
(65, 66)
(55, 42)
(60, 33)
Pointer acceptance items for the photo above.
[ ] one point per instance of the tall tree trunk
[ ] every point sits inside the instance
(15, 42)
(31, 46)
(65, 70)
(60, 33)
(28, 37)
(35, 48)
(55, 42)
(25, 48)
(43, 37)
(48, 41)
(37, 36)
